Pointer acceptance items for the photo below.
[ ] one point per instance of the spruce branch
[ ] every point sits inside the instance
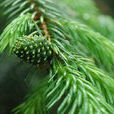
(73, 84)
(71, 91)
(98, 78)
(38, 18)
(22, 25)
(97, 46)
(76, 87)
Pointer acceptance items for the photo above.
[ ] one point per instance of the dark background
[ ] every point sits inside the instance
(13, 87)
(106, 6)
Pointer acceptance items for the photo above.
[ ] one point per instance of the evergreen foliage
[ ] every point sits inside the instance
(80, 60)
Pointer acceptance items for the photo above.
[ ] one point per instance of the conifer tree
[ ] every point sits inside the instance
(73, 44)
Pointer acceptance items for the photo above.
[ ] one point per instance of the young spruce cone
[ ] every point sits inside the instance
(33, 49)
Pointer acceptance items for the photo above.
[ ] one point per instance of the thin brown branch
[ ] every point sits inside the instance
(42, 25)
(45, 30)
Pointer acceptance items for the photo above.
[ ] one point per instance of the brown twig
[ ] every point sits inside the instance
(45, 30)
(43, 25)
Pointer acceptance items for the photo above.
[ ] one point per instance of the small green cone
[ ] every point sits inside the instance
(33, 49)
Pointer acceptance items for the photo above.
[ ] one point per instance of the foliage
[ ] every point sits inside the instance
(77, 80)
(87, 12)
(17, 28)
(95, 43)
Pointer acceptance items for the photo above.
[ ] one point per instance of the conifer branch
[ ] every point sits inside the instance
(73, 83)
(96, 44)
(68, 88)
(17, 28)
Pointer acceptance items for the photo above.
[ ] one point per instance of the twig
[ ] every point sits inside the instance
(43, 24)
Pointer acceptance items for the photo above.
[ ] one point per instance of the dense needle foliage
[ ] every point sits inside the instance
(75, 46)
